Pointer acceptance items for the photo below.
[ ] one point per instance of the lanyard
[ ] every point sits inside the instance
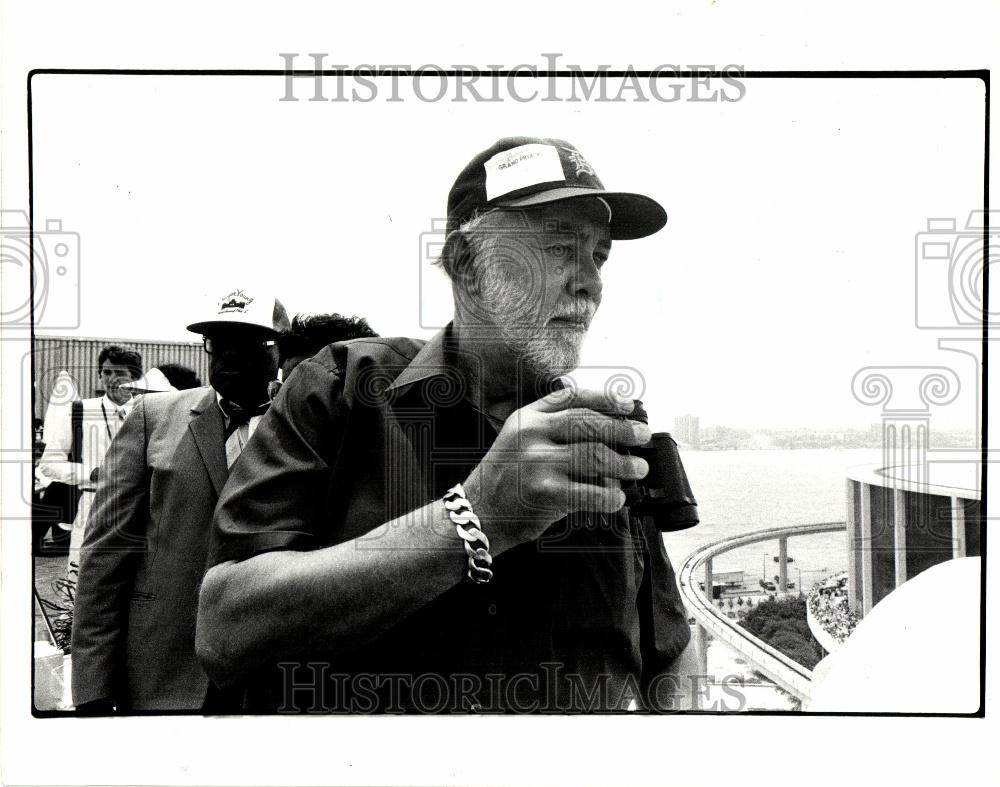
(107, 424)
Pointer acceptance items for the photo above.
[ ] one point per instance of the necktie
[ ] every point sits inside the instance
(237, 428)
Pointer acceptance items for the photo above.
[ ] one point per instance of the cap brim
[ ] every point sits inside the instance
(208, 325)
(632, 215)
(153, 381)
(139, 388)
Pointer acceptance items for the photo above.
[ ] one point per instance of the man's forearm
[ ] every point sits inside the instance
(285, 604)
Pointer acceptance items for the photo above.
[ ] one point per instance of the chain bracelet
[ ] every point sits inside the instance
(477, 545)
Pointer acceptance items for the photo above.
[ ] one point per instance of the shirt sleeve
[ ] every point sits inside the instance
(276, 491)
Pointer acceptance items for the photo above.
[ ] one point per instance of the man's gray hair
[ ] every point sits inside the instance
(446, 261)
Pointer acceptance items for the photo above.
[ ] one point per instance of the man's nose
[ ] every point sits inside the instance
(586, 280)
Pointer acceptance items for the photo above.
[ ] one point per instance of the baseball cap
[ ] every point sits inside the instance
(153, 381)
(246, 307)
(521, 172)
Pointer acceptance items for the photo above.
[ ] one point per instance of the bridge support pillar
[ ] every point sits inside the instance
(701, 643)
(708, 581)
(783, 565)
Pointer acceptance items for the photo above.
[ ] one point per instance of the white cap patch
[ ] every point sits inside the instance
(520, 167)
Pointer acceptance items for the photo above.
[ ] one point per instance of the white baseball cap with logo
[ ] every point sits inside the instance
(246, 307)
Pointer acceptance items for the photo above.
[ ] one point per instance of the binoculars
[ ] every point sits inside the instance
(664, 494)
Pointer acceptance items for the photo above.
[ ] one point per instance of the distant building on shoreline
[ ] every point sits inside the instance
(686, 431)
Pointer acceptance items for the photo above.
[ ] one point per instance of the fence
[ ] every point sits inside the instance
(53, 354)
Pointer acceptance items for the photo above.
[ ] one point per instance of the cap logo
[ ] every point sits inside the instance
(577, 160)
(521, 167)
(236, 301)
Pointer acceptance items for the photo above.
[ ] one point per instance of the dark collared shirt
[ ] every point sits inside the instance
(581, 619)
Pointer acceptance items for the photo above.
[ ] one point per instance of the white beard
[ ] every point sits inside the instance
(545, 351)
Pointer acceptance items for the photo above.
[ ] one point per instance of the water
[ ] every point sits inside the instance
(742, 491)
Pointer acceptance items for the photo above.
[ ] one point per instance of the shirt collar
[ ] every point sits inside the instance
(432, 361)
(435, 368)
(259, 411)
(112, 407)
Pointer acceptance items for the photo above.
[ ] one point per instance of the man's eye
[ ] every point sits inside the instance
(560, 250)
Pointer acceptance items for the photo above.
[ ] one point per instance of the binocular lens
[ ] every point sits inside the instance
(664, 494)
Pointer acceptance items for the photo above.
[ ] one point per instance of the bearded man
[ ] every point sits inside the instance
(439, 526)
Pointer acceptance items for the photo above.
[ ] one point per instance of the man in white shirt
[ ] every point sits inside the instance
(75, 448)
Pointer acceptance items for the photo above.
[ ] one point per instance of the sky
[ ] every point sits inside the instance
(788, 263)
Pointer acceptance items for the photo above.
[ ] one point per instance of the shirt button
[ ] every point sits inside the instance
(493, 609)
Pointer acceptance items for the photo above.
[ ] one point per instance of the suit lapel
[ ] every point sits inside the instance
(207, 429)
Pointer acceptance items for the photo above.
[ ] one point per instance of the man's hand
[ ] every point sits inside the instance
(560, 454)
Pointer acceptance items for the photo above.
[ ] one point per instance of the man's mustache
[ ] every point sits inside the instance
(582, 311)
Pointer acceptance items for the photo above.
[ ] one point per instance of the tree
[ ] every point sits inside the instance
(783, 625)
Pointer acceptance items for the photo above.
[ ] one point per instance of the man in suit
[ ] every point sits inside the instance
(147, 538)
(77, 442)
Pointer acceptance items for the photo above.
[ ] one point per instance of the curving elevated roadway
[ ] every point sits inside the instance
(787, 673)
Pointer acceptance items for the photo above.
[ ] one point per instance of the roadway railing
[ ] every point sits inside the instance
(787, 673)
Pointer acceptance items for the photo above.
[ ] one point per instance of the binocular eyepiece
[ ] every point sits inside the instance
(664, 494)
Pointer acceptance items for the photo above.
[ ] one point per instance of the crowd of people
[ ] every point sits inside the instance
(829, 603)
(341, 522)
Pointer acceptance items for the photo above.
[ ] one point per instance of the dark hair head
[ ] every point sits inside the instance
(181, 377)
(119, 356)
(311, 333)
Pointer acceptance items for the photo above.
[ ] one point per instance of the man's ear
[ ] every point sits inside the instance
(462, 253)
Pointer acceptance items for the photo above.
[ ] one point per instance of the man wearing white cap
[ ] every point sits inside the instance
(438, 526)
(147, 538)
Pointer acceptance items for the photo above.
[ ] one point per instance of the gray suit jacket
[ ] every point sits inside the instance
(144, 556)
